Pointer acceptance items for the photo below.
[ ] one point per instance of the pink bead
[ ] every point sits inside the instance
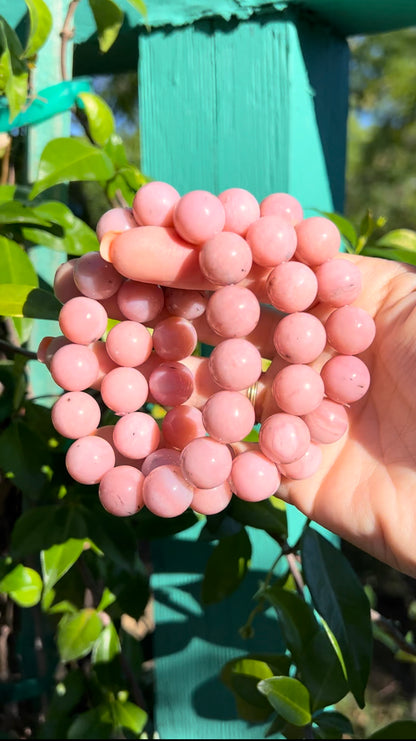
(186, 303)
(160, 457)
(282, 204)
(292, 286)
(153, 204)
(284, 437)
(211, 501)
(117, 219)
(121, 491)
(124, 390)
(75, 414)
(272, 240)
(225, 258)
(95, 277)
(181, 424)
(88, 459)
(235, 364)
(140, 302)
(299, 337)
(64, 286)
(346, 378)
(174, 338)
(106, 433)
(305, 466)
(198, 216)
(129, 343)
(74, 367)
(83, 320)
(328, 422)
(171, 383)
(339, 282)
(206, 463)
(228, 416)
(350, 330)
(254, 477)
(319, 239)
(136, 435)
(298, 389)
(165, 491)
(233, 311)
(241, 209)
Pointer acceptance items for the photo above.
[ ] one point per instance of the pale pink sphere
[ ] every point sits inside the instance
(292, 286)
(298, 389)
(233, 311)
(140, 302)
(117, 219)
(235, 364)
(165, 491)
(228, 416)
(88, 459)
(153, 204)
(305, 466)
(75, 414)
(106, 433)
(198, 216)
(74, 367)
(188, 303)
(181, 424)
(206, 463)
(350, 330)
(171, 383)
(328, 422)
(124, 389)
(64, 286)
(121, 491)
(174, 338)
(226, 258)
(254, 477)
(282, 204)
(50, 346)
(129, 343)
(95, 277)
(272, 240)
(346, 378)
(241, 209)
(284, 437)
(339, 282)
(82, 320)
(136, 435)
(299, 337)
(211, 501)
(319, 239)
(160, 457)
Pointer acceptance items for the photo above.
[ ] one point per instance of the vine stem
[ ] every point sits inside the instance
(66, 35)
(16, 350)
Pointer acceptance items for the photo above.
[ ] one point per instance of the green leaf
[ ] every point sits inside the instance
(289, 698)
(108, 19)
(333, 724)
(92, 724)
(23, 457)
(14, 73)
(24, 586)
(345, 226)
(58, 559)
(116, 151)
(77, 633)
(68, 233)
(7, 192)
(101, 124)
(140, 6)
(15, 265)
(67, 159)
(128, 715)
(43, 526)
(24, 300)
(266, 515)
(107, 645)
(339, 597)
(14, 212)
(241, 676)
(397, 729)
(40, 26)
(397, 254)
(226, 567)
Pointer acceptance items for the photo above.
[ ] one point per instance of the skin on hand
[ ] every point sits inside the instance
(365, 488)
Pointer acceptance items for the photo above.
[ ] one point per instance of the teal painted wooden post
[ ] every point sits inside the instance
(260, 104)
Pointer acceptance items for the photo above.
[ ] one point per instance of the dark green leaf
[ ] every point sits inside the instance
(149, 526)
(90, 725)
(289, 698)
(43, 526)
(109, 19)
(339, 597)
(346, 227)
(23, 457)
(23, 584)
(77, 633)
(397, 729)
(268, 515)
(25, 300)
(40, 26)
(69, 234)
(226, 567)
(67, 159)
(333, 724)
